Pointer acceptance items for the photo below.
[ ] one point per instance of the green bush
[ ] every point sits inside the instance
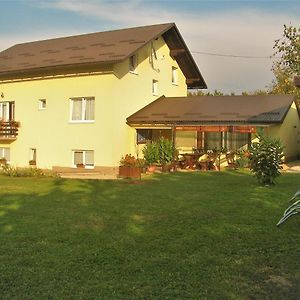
(151, 153)
(159, 152)
(266, 159)
(26, 172)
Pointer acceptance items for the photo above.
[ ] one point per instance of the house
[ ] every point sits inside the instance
(216, 122)
(64, 101)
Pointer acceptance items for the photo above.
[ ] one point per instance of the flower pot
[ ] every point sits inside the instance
(129, 172)
(152, 168)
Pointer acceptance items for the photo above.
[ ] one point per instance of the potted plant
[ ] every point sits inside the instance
(80, 165)
(3, 161)
(129, 167)
(32, 162)
(151, 155)
(166, 152)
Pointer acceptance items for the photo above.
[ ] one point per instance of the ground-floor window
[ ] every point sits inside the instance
(149, 135)
(5, 153)
(83, 158)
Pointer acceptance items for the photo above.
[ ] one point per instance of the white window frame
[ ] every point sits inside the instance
(154, 87)
(133, 64)
(42, 104)
(6, 103)
(174, 75)
(83, 109)
(2, 153)
(84, 158)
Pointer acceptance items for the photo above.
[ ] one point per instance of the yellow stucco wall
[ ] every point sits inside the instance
(117, 94)
(289, 133)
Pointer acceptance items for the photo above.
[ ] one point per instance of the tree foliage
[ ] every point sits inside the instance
(288, 47)
(266, 159)
(288, 65)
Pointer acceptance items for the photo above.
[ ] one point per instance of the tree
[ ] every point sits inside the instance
(288, 65)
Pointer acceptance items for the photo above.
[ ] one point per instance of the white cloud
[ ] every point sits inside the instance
(239, 32)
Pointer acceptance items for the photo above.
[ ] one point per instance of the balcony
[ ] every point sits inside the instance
(8, 131)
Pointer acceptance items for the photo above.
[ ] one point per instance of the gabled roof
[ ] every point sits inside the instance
(94, 50)
(225, 110)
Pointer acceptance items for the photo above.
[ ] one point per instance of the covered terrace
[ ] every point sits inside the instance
(199, 124)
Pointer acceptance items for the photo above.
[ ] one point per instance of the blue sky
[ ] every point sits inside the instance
(246, 28)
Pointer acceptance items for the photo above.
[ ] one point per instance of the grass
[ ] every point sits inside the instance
(178, 236)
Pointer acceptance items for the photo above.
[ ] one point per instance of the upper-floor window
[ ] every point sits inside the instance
(174, 75)
(154, 87)
(133, 62)
(42, 104)
(83, 109)
(7, 111)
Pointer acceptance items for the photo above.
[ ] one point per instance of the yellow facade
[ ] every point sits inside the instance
(289, 133)
(118, 93)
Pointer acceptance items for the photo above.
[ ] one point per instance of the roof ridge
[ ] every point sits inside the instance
(90, 33)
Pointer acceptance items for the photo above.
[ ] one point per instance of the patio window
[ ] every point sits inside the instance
(149, 135)
(82, 109)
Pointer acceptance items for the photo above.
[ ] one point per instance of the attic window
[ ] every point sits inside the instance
(155, 87)
(133, 62)
(42, 104)
(174, 76)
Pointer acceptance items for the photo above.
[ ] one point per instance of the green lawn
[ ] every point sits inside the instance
(203, 235)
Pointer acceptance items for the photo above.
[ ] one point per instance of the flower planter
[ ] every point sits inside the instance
(32, 163)
(129, 172)
(152, 168)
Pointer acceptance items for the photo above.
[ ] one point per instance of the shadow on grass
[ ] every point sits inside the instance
(181, 235)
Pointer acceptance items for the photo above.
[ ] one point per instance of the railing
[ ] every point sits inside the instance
(9, 130)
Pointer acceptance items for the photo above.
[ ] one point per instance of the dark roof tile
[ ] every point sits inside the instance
(120, 43)
(262, 109)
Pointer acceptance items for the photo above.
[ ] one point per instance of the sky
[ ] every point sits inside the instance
(217, 32)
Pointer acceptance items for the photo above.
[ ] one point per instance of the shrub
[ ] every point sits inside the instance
(160, 152)
(151, 153)
(242, 158)
(26, 172)
(266, 159)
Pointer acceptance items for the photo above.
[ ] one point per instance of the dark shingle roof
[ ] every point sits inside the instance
(90, 50)
(263, 109)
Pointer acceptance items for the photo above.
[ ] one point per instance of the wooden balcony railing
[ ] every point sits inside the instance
(9, 130)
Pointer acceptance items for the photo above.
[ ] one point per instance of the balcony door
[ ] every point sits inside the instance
(7, 111)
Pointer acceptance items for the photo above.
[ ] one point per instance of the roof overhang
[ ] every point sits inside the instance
(92, 52)
(262, 110)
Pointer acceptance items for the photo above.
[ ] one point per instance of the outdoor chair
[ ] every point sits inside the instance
(230, 158)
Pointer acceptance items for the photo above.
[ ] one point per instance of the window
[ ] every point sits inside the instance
(7, 111)
(82, 109)
(143, 135)
(147, 135)
(42, 104)
(83, 158)
(174, 75)
(154, 87)
(5, 153)
(133, 62)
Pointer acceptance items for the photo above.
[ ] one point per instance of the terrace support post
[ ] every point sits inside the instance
(174, 147)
